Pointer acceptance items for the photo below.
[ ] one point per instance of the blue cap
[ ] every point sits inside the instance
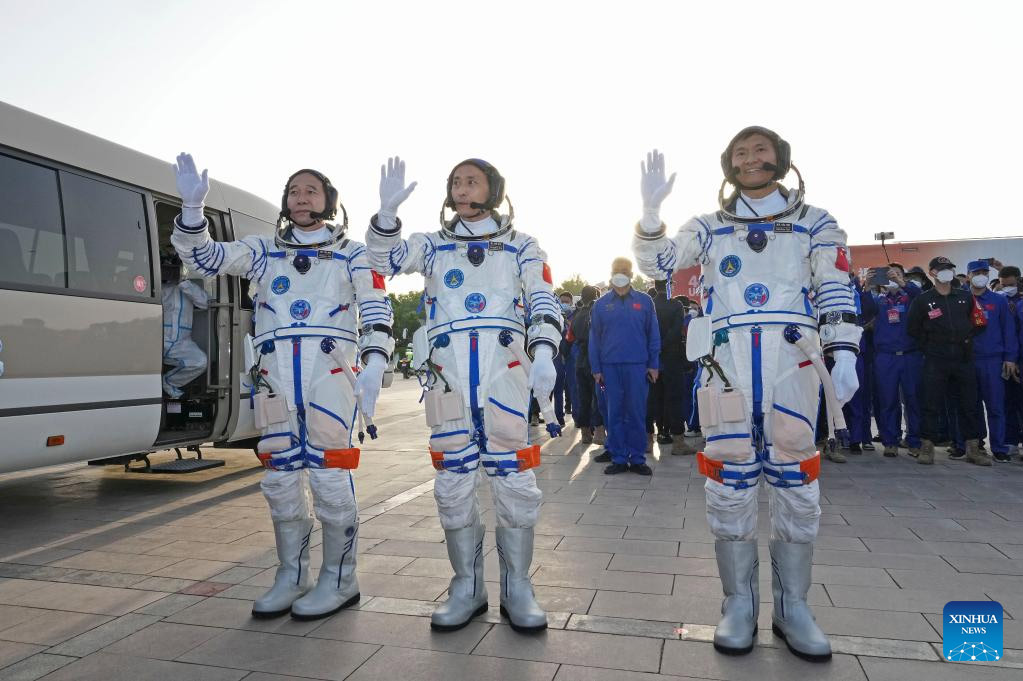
(978, 265)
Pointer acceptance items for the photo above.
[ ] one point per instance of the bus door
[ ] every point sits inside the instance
(197, 404)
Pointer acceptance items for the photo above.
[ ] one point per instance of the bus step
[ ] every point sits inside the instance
(185, 465)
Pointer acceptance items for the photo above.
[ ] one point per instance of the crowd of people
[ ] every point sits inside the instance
(976, 414)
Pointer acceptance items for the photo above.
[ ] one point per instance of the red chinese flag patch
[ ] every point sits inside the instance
(547, 274)
(378, 281)
(842, 260)
(637, 306)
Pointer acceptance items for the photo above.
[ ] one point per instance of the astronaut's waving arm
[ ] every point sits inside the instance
(388, 253)
(656, 254)
(191, 238)
(836, 301)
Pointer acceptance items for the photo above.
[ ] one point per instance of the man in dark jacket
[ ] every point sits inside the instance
(664, 406)
(943, 323)
(587, 415)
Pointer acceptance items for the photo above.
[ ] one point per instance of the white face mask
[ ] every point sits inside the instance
(566, 307)
(620, 280)
(892, 286)
(979, 280)
(1009, 291)
(945, 276)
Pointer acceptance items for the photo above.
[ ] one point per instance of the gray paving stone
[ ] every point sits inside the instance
(11, 652)
(398, 630)
(573, 647)
(227, 613)
(416, 549)
(104, 635)
(619, 546)
(257, 651)
(99, 578)
(401, 586)
(168, 605)
(163, 641)
(409, 664)
(116, 562)
(34, 667)
(99, 600)
(105, 667)
(572, 673)
(771, 664)
(909, 600)
(50, 627)
(399, 606)
(879, 669)
(700, 567)
(660, 608)
(987, 566)
(193, 568)
(880, 560)
(973, 549)
(606, 580)
(622, 626)
(910, 626)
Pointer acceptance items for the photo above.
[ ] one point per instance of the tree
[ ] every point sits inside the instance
(405, 306)
(573, 285)
(641, 283)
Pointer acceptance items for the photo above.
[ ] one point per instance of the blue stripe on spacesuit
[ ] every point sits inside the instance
(396, 264)
(296, 367)
(795, 414)
(507, 409)
(329, 413)
(474, 383)
(267, 306)
(728, 436)
(758, 390)
(696, 386)
(710, 298)
(762, 226)
(825, 244)
(828, 220)
(666, 265)
(308, 252)
(806, 302)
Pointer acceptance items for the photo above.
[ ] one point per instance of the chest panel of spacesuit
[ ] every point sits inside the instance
(740, 279)
(475, 281)
(322, 298)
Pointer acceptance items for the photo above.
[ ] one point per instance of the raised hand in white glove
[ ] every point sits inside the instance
(367, 384)
(655, 189)
(543, 375)
(393, 191)
(843, 375)
(193, 188)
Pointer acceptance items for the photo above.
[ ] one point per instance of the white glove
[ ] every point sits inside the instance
(543, 375)
(843, 375)
(367, 383)
(393, 191)
(193, 188)
(655, 189)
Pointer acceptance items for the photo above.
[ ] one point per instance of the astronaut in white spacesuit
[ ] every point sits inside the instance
(479, 271)
(315, 291)
(775, 278)
(180, 298)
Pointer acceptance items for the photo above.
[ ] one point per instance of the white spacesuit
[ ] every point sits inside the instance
(477, 273)
(773, 269)
(313, 290)
(179, 350)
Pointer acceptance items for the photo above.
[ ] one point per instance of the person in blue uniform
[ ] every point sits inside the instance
(1009, 277)
(857, 410)
(897, 363)
(625, 346)
(994, 357)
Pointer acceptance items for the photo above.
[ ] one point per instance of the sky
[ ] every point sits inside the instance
(902, 115)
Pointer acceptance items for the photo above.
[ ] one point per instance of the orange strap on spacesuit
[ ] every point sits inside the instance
(528, 457)
(341, 458)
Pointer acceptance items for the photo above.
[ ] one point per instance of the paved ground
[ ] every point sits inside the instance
(111, 575)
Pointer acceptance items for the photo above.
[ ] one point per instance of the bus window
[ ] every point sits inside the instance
(31, 234)
(108, 238)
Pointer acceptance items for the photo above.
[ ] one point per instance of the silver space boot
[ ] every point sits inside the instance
(792, 620)
(518, 604)
(467, 592)
(337, 586)
(292, 579)
(739, 568)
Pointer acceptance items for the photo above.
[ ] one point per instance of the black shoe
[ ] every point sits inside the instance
(616, 468)
(1002, 458)
(854, 448)
(641, 469)
(664, 439)
(603, 457)
(876, 438)
(956, 454)
(868, 447)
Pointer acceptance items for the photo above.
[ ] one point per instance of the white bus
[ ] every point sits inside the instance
(82, 224)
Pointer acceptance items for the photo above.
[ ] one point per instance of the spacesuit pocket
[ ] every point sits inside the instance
(269, 409)
(443, 406)
(446, 416)
(504, 414)
(792, 437)
(719, 406)
(327, 430)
